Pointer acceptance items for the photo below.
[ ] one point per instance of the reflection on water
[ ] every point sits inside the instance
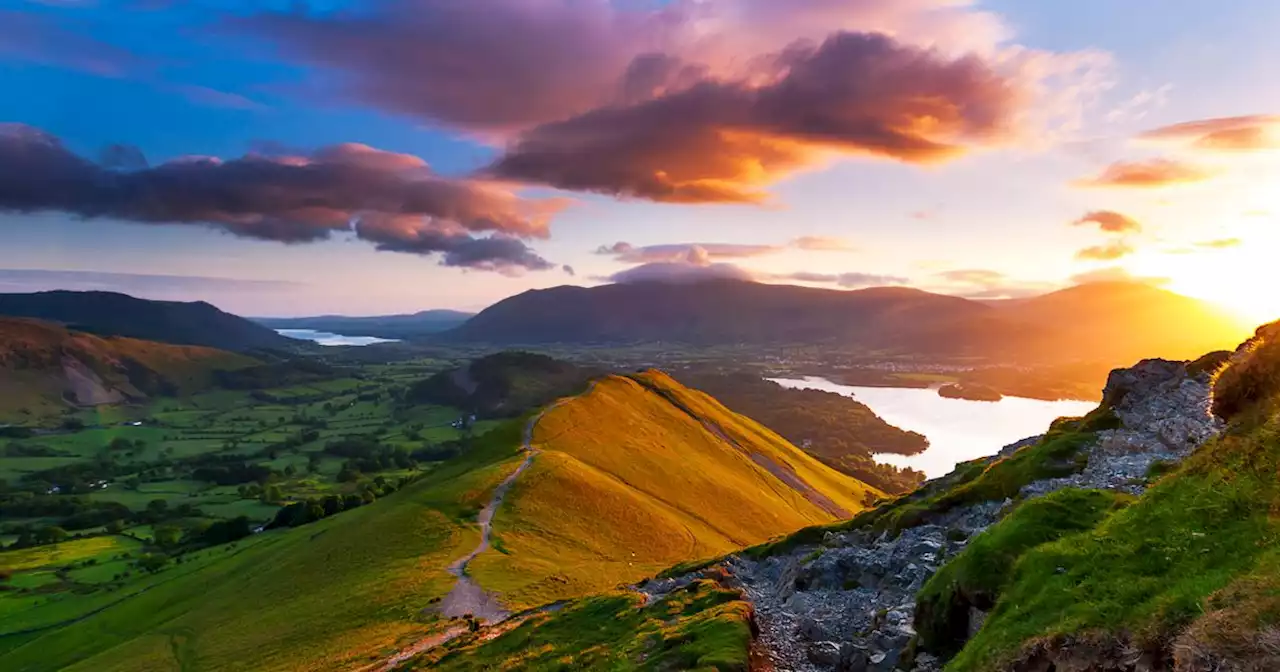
(957, 429)
(326, 338)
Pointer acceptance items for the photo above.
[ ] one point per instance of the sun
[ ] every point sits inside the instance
(1241, 278)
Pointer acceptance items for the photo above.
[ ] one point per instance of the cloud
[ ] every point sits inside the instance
(1147, 174)
(35, 38)
(1116, 274)
(568, 270)
(1220, 244)
(982, 283)
(37, 280)
(973, 276)
(1244, 133)
(1110, 221)
(822, 244)
(1108, 252)
(679, 272)
(626, 252)
(849, 280)
(584, 95)
(719, 141)
(392, 200)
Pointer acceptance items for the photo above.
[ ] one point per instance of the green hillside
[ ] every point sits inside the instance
(344, 590)
(46, 369)
(1187, 577)
(640, 473)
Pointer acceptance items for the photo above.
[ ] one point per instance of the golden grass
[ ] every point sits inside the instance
(629, 483)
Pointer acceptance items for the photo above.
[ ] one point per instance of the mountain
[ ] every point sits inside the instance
(46, 369)
(598, 489)
(111, 314)
(1129, 321)
(1112, 321)
(719, 312)
(398, 327)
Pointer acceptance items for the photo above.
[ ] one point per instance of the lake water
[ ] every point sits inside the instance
(958, 429)
(326, 338)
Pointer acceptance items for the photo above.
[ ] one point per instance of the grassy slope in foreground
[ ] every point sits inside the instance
(640, 473)
(1189, 575)
(703, 627)
(330, 595)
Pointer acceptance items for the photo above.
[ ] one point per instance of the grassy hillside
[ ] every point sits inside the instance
(1186, 576)
(640, 473)
(46, 369)
(340, 592)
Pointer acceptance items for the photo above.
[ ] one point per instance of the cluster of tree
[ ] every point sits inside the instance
(16, 449)
(503, 385)
(233, 472)
(311, 510)
(79, 513)
(365, 455)
(841, 432)
(14, 432)
(285, 373)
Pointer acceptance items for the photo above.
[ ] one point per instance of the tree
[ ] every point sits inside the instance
(153, 562)
(115, 527)
(272, 494)
(167, 536)
(51, 535)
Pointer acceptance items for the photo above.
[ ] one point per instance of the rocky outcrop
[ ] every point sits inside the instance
(848, 602)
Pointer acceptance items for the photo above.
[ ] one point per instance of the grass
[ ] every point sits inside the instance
(66, 553)
(613, 502)
(704, 627)
(976, 577)
(1189, 569)
(328, 595)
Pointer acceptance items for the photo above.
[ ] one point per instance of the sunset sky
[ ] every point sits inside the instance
(292, 158)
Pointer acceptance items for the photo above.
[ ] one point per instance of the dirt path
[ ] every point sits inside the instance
(467, 597)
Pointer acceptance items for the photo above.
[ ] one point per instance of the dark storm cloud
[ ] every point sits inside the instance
(719, 140)
(391, 199)
(1109, 221)
(1149, 173)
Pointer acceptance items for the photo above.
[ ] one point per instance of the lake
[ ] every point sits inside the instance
(958, 429)
(326, 338)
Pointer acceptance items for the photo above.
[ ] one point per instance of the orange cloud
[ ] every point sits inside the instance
(1110, 221)
(1237, 134)
(1146, 174)
(1107, 252)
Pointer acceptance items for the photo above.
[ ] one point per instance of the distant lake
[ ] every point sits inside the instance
(326, 338)
(958, 429)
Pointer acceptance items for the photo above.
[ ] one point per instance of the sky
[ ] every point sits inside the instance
(386, 156)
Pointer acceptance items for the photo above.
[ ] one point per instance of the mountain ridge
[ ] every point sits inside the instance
(114, 314)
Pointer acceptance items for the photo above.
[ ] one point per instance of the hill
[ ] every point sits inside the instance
(111, 314)
(1128, 321)
(641, 472)
(840, 431)
(399, 327)
(1115, 322)
(503, 384)
(626, 478)
(46, 369)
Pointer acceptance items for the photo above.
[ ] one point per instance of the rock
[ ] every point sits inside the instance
(826, 654)
(853, 657)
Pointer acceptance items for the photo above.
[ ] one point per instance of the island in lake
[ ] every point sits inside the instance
(969, 391)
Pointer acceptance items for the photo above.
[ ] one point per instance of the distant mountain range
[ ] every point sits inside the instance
(398, 327)
(1119, 321)
(111, 314)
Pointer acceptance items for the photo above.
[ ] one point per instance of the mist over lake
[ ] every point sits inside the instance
(958, 429)
(326, 338)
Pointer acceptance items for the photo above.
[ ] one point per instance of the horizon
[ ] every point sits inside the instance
(301, 159)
